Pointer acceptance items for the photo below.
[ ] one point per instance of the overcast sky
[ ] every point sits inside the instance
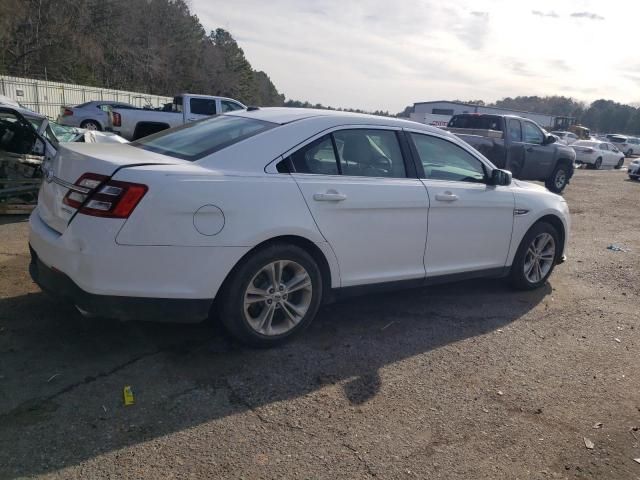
(382, 54)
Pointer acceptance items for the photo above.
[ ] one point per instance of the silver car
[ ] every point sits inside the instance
(90, 115)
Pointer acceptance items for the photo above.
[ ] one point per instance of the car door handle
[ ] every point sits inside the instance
(329, 196)
(529, 149)
(446, 197)
(192, 119)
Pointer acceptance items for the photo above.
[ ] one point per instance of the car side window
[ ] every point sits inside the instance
(532, 134)
(317, 157)
(515, 130)
(227, 106)
(603, 146)
(444, 160)
(202, 106)
(369, 153)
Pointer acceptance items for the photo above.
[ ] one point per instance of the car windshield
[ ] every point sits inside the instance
(64, 133)
(476, 122)
(617, 139)
(196, 140)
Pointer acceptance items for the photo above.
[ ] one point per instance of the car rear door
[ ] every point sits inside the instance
(470, 222)
(363, 195)
(539, 158)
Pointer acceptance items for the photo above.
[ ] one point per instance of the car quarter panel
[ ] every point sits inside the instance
(199, 208)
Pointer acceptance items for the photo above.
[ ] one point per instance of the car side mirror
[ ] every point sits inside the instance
(501, 177)
(549, 139)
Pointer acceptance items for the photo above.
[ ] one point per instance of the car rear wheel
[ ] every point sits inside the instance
(272, 295)
(620, 163)
(90, 125)
(536, 257)
(559, 179)
(628, 153)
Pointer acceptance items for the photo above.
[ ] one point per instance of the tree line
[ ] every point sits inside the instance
(150, 46)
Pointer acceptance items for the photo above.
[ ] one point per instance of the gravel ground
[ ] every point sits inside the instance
(469, 380)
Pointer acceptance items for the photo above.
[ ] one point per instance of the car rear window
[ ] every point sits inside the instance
(196, 140)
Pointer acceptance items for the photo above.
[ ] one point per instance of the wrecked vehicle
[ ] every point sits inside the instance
(26, 139)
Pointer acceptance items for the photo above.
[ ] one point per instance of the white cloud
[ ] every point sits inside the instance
(378, 54)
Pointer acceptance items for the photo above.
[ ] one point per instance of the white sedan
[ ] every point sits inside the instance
(596, 154)
(263, 214)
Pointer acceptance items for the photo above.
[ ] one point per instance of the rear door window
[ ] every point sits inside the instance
(318, 158)
(369, 153)
(203, 106)
(515, 130)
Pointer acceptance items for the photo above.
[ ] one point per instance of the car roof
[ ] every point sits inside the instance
(24, 111)
(284, 115)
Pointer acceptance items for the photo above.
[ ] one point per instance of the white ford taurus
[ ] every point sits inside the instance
(261, 215)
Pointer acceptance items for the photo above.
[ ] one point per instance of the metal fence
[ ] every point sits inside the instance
(47, 97)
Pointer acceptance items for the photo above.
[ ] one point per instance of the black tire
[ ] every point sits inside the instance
(91, 125)
(628, 153)
(517, 274)
(232, 295)
(598, 164)
(558, 179)
(620, 164)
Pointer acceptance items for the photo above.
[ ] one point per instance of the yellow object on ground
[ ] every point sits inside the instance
(128, 396)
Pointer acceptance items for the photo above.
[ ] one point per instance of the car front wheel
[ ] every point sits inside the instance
(273, 295)
(536, 257)
(559, 179)
(620, 164)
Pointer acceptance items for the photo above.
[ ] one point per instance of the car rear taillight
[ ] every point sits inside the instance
(105, 197)
(67, 112)
(116, 119)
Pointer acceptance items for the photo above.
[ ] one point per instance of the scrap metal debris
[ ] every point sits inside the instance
(616, 248)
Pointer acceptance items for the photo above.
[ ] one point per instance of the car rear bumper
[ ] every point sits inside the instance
(57, 284)
(164, 283)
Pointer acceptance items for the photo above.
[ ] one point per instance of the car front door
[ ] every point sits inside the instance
(470, 221)
(357, 184)
(538, 157)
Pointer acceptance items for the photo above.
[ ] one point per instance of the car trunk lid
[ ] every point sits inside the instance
(74, 160)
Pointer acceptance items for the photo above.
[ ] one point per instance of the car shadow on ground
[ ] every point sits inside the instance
(62, 375)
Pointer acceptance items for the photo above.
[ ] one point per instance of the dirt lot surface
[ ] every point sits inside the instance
(470, 380)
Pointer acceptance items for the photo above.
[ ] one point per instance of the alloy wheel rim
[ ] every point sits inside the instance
(560, 178)
(91, 126)
(278, 297)
(539, 258)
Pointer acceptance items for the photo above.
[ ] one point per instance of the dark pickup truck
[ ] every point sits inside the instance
(519, 145)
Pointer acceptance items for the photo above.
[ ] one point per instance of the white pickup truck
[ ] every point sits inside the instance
(135, 123)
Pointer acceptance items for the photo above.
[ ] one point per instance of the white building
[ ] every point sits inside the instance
(439, 113)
